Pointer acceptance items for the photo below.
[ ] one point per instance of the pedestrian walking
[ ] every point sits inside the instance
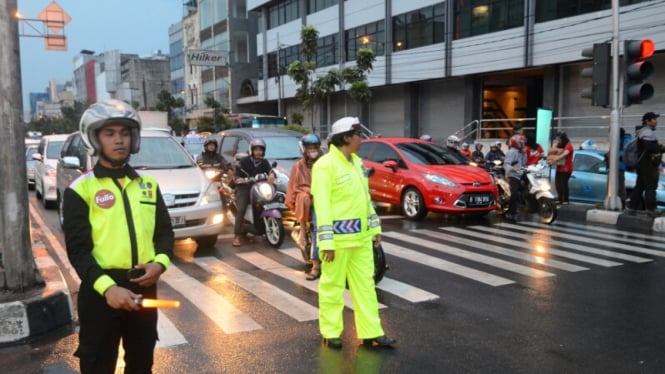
(119, 240)
(650, 156)
(347, 227)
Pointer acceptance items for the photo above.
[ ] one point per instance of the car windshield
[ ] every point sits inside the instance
(54, 148)
(429, 154)
(282, 147)
(194, 148)
(160, 153)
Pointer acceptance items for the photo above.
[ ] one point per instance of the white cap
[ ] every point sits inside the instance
(345, 124)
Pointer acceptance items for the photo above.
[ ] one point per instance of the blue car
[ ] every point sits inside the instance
(588, 183)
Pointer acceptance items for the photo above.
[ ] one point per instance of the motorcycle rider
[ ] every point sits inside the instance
(495, 153)
(478, 156)
(298, 197)
(513, 164)
(209, 157)
(248, 167)
(465, 150)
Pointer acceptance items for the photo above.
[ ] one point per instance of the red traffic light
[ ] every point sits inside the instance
(648, 48)
(639, 49)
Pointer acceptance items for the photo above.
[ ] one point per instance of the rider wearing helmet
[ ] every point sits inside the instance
(426, 137)
(495, 152)
(209, 157)
(119, 240)
(453, 142)
(250, 166)
(477, 155)
(465, 150)
(513, 164)
(298, 197)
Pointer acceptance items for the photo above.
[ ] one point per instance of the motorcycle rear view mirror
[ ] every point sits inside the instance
(370, 172)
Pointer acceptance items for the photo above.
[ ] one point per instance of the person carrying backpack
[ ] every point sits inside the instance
(650, 155)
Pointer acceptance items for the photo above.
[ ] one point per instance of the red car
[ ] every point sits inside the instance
(421, 176)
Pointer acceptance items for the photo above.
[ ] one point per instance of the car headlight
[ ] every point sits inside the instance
(211, 195)
(438, 179)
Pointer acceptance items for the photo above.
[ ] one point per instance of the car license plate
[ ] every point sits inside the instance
(178, 221)
(479, 199)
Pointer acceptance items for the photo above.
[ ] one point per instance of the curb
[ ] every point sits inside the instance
(47, 309)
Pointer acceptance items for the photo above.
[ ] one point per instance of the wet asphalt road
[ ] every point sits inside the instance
(572, 298)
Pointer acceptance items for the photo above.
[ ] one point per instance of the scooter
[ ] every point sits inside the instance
(264, 212)
(536, 193)
(497, 172)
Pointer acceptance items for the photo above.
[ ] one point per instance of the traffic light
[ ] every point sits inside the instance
(636, 70)
(599, 93)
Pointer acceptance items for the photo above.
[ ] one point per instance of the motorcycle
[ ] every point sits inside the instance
(535, 193)
(497, 172)
(264, 212)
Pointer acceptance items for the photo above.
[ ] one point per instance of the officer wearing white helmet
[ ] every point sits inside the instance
(119, 240)
(346, 226)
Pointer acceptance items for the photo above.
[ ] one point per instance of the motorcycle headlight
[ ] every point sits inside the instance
(211, 173)
(211, 195)
(266, 190)
(438, 179)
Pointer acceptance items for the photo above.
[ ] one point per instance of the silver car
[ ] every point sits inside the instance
(192, 199)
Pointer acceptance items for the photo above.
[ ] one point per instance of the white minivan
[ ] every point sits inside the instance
(192, 199)
(46, 162)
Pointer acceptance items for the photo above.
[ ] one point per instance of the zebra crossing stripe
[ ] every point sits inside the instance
(481, 230)
(615, 242)
(472, 256)
(447, 266)
(283, 301)
(395, 287)
(594, 242)
(295, 276)
(226, 316)
(626, 235)
(167, 332)
(489, 247)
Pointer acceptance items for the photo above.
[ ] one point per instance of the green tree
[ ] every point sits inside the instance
(219, 121)
(302, 72)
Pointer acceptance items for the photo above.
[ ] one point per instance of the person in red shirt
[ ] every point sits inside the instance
(534, 152)
(562, 156)
(465, 150)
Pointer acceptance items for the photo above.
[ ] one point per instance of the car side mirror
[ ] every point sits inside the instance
(37, 156)
(71, 162)
(274, 164)
(392, 164)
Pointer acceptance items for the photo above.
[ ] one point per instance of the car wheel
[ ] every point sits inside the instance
(206, 241)
(413, 204)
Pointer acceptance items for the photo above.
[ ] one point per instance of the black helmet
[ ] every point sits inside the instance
(210, 141)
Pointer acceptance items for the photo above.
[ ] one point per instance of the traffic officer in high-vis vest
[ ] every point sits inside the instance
(119, 239)
(347, 227)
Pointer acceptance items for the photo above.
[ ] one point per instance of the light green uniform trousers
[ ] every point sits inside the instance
(357, 266)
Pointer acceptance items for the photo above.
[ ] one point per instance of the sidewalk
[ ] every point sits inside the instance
(42, 310)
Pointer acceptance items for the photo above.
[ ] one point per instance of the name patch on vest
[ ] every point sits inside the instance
(104, 199)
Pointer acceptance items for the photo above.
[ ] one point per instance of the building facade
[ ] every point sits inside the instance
(471, 67)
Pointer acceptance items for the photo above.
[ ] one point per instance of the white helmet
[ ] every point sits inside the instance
(465, 145)
(588, 144)
(346, 124)
(426, 137)
(452, 141)
(109, 111)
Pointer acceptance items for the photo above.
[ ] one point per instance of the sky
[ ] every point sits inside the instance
(131, 26)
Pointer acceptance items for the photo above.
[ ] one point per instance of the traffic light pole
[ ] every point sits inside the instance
(17, 260)
(613, 202)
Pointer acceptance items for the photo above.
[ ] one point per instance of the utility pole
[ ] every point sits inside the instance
(17, 265)
(279, 81)
(613, 202)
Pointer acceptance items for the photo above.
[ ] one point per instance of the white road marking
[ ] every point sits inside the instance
(229, 319)
(473, 256)
(169, 335)
(283, 301)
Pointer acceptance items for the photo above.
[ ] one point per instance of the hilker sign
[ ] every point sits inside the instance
(207, 58)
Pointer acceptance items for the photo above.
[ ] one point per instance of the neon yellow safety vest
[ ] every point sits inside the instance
(120, 220)
(345, 215)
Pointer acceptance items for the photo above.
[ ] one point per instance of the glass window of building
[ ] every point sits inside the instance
(477, 17)
(547, 10)
(288, 55)
(327, 52)
(239, 8)
(283, 12)
(220, 11)
(317, 5)
(371, 35)
(205, 13)
(239, 53)
(419, 28)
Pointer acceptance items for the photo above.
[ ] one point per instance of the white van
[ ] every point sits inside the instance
(192, 199)
(46, 162)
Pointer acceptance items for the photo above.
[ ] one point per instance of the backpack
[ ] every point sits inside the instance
(630, 155)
